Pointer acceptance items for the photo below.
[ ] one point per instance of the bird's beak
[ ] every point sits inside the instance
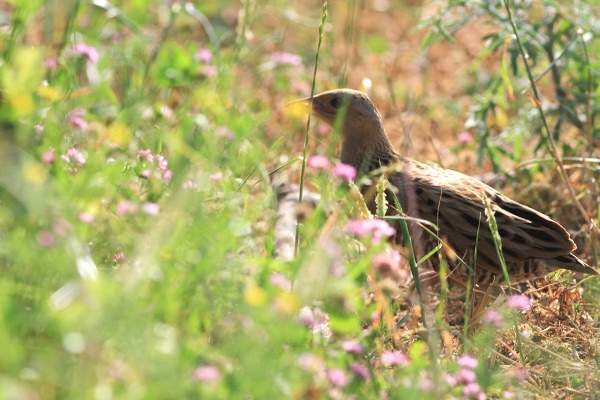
(299, 103)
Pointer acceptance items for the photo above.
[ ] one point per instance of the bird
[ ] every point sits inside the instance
(532, 244)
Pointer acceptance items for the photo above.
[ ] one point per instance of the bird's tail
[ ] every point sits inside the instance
(572, 263)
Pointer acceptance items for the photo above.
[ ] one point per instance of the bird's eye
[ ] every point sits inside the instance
(335, 103)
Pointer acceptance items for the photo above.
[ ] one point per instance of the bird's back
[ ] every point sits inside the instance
(532, 243)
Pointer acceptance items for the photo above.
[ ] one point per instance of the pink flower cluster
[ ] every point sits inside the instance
(119, 259)
(316, 320)
(466, 376)
(464, 138)
(48, 156)
(76, 119)
(161, 169)
(286, 59)
(205, 56)
(207, 374)
(494, 318)
(88, 52)
(394, 357)
(129, 207)
(342, 171)
(336, 377)
(353, 347)
(376, 228)
(518, 302)
(74, 157)
(279, 280)
(317, 162)
(387, 263)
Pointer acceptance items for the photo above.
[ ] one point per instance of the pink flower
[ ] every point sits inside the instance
(126, 207)
(168, 175)
(337, 377)
(344, 171)
(86, 218)
(147, 154)
(151, 208)
(119, 258)
(204, 55)
(464, 138)
(207, 373)
(225, 133)
(162, 163)
(62, 227)
(76, 119)
(518, 302)
(394, 357)
(51, 62)
(323, 129)
(38, 128)
(375, 316)
(472, 389)
(352, 346)
(116, 37)
(360, 370)
(450, 380)
(376, 227)
(88, 51)
(48, 156)
(387, 263)
(521, 373)
(337, 269)
(74, 155)
(467, 361)
(146, 173)
(312, 318)
(318, 162)
(79, 122)
(189, 185)
(216, 176)
(286, 59)
(46, 239)
(316, 320)
(210, 70)
(426, 384)
(465, 376)
(494, 318)
(279, 280)
(167, 112)
(309, 361)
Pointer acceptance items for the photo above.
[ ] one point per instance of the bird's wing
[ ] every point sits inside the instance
(455, 203)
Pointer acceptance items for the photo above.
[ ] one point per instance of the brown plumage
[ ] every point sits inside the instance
(533, 244)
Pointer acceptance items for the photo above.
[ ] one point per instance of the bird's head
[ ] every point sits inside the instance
(351, 105)
(360, 125)
(355, 113)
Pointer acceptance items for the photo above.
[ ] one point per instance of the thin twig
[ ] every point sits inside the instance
(307, 134)
(406, 142)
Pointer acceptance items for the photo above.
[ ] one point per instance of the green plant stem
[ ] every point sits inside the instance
(498, 245)
(307, 133)
(173, 12)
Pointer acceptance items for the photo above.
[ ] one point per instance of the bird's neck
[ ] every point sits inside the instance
(367, 148)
